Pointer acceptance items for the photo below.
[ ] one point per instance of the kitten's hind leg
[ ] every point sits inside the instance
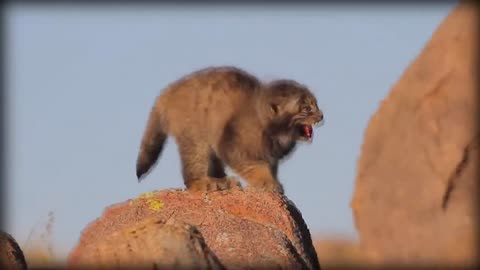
(195, 158)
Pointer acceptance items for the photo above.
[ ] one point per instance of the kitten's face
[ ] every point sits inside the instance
(297, 106)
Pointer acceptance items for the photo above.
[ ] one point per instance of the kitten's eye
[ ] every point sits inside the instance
(306, 109)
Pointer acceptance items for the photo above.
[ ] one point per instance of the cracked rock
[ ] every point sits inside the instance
(242, 229)
(416, 189)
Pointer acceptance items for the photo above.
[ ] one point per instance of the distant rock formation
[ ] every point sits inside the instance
(415, 199)
(235, 229)
(11, 256)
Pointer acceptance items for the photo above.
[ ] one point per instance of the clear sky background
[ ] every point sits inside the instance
(82, 80)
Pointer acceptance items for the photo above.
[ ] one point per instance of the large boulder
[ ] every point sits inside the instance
(150, 244)
(240, 229)
(416, 188)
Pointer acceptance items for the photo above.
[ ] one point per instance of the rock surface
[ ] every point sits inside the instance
(142, 247)
(416, 188)
(11, 256)
(243, 229)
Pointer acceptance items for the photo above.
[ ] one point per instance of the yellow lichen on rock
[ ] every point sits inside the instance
(155, 204)
(147, 197)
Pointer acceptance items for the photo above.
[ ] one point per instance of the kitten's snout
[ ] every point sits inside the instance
(319, 116)
(319, 119)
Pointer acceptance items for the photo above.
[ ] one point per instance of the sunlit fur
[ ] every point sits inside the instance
(225, 116)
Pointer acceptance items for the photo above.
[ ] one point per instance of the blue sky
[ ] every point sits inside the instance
(81, 81)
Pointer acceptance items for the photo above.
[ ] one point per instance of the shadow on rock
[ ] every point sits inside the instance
(235, 229)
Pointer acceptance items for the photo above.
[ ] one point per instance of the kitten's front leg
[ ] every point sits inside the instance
(260, 176)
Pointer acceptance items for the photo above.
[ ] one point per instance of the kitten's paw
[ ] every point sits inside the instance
(203, 185)
(229, 182)
(268, 186)
(209, 184)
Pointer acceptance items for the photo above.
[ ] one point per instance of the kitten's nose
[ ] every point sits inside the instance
(320, 116)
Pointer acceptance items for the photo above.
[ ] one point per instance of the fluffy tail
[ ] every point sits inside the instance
(153, 140)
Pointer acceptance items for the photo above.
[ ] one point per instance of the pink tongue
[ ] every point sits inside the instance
(308, 130)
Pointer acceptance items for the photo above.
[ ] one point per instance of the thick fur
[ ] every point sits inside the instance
(224, 116)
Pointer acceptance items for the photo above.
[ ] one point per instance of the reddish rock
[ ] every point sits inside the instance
(242, 228)
(416, 189)
(151, 244)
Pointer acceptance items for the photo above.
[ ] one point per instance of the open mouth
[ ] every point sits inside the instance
(306, 131)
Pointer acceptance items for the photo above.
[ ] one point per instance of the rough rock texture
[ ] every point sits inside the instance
(416, 189)
(150, 244)
(11, 256)
(243, 228)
